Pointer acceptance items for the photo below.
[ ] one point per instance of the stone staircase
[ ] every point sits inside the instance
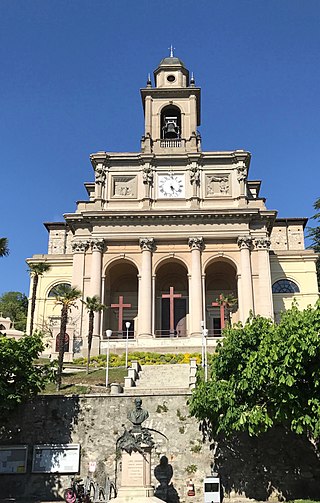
(160, 379)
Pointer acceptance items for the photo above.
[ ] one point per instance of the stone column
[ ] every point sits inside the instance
(79, 248)
(246, 300)
(148, 115)
(97, 247)
(145, 307)
(265, 304)
(195, 293)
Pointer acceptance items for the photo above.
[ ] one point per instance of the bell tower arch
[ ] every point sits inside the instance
(171, 109)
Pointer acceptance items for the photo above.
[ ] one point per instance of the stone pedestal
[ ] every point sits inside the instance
(136, 478)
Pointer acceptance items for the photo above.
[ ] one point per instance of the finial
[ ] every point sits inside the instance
(171, 49)
(149, 80)
(192, 81)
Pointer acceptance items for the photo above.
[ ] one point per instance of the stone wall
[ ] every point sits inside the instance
(96, 422)
(278, 462)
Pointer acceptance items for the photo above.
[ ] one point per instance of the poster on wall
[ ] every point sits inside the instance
(56, 458)
(13, 459)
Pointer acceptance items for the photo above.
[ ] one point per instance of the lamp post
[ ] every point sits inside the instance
(205, 334)
(108, 334)
(202, 345)
(204, 355)
(127, 338)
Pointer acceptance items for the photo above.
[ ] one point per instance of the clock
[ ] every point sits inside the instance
(171, 185)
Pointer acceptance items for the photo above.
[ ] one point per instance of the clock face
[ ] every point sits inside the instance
(171, 185)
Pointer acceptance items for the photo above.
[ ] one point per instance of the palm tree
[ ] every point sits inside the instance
(36, 270)
(4, 250)
(93, 305)
(66, 297)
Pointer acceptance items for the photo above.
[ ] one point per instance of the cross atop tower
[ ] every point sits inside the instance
(171, 49)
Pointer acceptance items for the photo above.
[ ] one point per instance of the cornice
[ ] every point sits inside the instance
(51, 258)
(118, 217)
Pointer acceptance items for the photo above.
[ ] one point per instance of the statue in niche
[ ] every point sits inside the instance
(100, 174)
(163, 472)
(147, 175)
(194, 175)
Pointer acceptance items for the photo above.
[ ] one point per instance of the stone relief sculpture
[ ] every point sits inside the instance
(124, 186)
(217, 185)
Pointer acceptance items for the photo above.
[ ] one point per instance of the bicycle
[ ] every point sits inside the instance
(76, 493)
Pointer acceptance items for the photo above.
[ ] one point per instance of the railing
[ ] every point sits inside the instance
(171, 333)
(120, 335)
(215, 332)
(170, 143)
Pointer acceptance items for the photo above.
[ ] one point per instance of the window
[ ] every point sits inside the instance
(66, 343)
(285, 286)
(55, 289)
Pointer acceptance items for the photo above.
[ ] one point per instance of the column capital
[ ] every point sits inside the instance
(98, 245)
(262, 243)
(79, 246)
(196, 243)
(147, 244)
(244, 242)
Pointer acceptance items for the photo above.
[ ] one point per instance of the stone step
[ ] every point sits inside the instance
(158, 377)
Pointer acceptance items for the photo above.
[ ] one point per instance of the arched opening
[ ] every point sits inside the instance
(2, 327)
(170, 123)
(171, 300)
(285, 286)
(54, 291)
(221, 296)
(66, 343)
(121, 299)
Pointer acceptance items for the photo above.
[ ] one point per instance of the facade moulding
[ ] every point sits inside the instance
(120, 257)
(168, 258)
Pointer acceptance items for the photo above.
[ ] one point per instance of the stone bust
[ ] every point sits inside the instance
(138, 415)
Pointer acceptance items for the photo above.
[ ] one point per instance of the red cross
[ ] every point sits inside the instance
(171, 296)
(222, 306)
(121, 307)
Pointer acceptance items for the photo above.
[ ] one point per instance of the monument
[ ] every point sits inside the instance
(135, 446)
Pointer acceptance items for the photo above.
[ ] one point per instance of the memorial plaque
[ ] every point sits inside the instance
(132, 469)
(13, 459)
(56, 458)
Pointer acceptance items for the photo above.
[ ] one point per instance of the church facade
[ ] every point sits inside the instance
(172, 239)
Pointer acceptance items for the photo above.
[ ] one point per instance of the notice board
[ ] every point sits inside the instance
(56, 458)
(13, 459)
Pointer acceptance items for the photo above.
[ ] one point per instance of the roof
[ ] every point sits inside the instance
(171, 60)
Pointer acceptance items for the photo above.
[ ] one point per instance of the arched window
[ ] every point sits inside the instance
(66, 343)
(2, 327)
(285, 286)
(55, 289)
(170, 123)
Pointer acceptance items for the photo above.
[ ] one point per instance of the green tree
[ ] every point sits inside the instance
(20, 379)
(314, 235)
(35, 270)
(15, 306)
(264, 375)
(4, 250)
(93, 306)
(66, 298)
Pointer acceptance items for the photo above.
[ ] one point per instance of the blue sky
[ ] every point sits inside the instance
(70, 77)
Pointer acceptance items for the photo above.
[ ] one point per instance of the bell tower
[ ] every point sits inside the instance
(171, 110)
